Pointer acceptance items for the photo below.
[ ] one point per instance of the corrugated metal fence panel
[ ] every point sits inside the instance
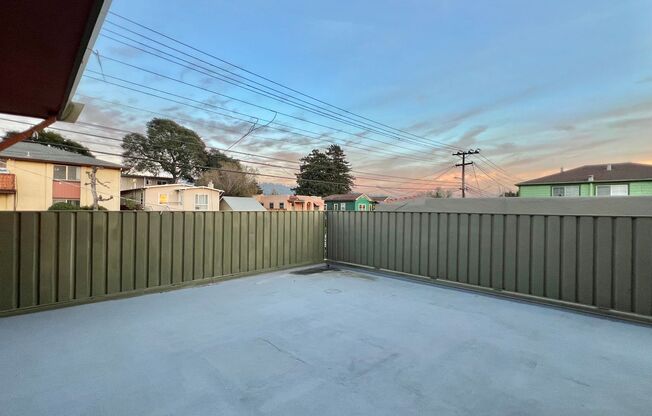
(601, 261)
(48, 258)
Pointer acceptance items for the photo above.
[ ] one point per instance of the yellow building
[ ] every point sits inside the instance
(174, 197)
(34, 176)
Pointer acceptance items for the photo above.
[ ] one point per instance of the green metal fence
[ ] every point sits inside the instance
(598, 261)
(50, 258)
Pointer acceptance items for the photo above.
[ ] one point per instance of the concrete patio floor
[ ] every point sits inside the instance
(331, 343)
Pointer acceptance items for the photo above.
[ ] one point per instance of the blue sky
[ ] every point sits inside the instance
(535, 84)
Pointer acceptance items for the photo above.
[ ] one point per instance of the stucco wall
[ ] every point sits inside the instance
(110, 177)
(34, 186)
(153, 201)
(289, 206)
(534, 191)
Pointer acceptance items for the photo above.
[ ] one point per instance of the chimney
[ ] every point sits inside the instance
(591, 177)
(561, 169)
(609, 167)
(211, 184)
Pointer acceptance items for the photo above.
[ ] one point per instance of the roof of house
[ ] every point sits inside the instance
(344, 197)
(42, 153)
(162, 175)
(181, 186)
(239, 203)
(379, 198)
(613, 172)
(45, 46)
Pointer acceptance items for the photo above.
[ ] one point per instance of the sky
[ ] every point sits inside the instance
(536, 85)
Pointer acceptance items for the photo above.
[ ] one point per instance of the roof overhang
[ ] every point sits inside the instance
(45, 47)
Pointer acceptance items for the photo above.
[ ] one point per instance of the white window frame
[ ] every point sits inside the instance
(271, 205)
(3, 166)
(281, 205)
(565, 190)
(362, 207)
(611, 188)
(201, 206)
(342, 206)
(73, 173)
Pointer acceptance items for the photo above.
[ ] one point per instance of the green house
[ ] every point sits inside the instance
(614, 179)
(349, 202)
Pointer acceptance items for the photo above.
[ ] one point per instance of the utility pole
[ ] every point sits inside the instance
(464, 164)
(92, 175)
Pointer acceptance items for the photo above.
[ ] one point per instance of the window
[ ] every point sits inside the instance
(362, 207)
(66, 173)
(343, 206)
(201, 202)
(571, 190)
(271, 205)
(612, 190)
(163, 199)
(3, 166)
(74, 202)
(281, 205)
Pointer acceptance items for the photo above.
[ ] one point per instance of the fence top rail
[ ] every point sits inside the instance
(533, 214)
(627, 206)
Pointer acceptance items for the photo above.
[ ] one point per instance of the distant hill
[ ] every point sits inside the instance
(269, 188)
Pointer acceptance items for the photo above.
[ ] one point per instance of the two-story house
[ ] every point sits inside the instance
(34, 176)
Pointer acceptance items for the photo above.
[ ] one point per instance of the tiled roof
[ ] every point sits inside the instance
(601, 173)
(41, 153)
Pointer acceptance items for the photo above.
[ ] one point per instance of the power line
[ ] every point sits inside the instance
(381, 177)
(104, 76)
(214, 106)
(204, 124)
(257, 75)
(218, 169)
(249, 87)
(253, 154)
(500, 184)
(170, 38)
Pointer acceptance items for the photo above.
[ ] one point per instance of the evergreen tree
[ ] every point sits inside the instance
(330, 167)
(341, 171)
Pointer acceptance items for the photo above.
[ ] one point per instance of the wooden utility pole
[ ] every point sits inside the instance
(464, 163)
(92, 175)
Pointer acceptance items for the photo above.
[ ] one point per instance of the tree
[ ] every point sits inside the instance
(324, 173)
(440, 192)
(53, 139)
(510, 194)
(213, 158)
(234, 179)
(167, 147)
(341, 171)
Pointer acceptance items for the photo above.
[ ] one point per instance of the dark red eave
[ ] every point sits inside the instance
(43, 44)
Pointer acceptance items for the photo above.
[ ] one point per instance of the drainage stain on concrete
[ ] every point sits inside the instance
(315, 270)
